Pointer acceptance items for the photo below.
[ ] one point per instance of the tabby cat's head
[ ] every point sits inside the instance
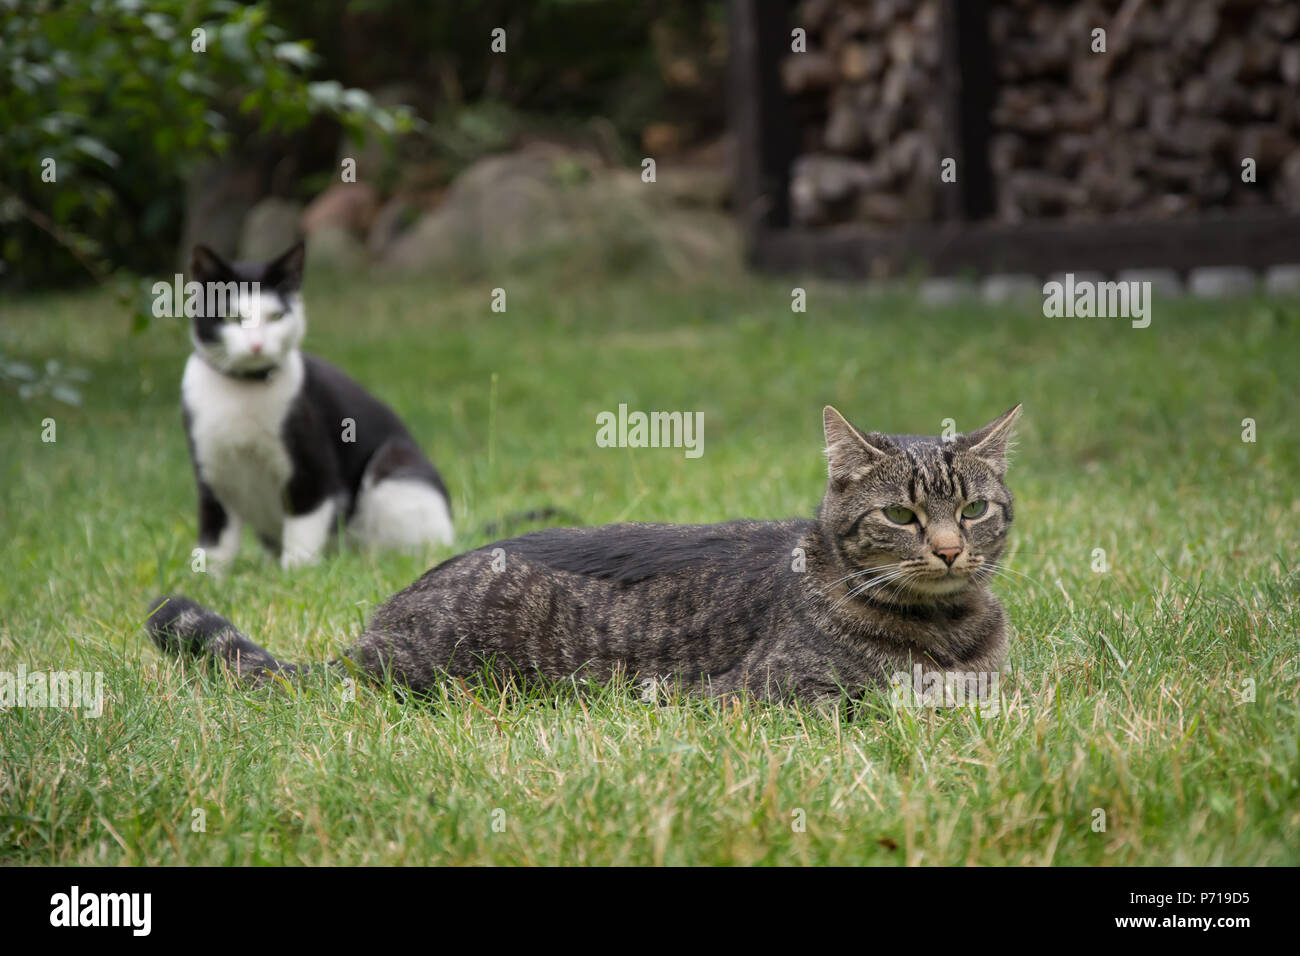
(251, 318)
(917, 518)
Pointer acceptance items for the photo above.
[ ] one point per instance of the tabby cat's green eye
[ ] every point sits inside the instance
(973, 509)
(900, 515)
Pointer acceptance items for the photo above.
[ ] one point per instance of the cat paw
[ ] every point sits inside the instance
(291, 559)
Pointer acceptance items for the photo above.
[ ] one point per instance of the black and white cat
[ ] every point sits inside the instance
(285, 442)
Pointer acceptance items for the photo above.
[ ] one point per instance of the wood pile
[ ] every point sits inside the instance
(1157, 126)
(866, 96)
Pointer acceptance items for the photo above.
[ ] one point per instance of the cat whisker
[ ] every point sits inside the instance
(1011, 574)
(873, 583)
(899, 586)
(1006, 569)
(879, 579)
(862, 571)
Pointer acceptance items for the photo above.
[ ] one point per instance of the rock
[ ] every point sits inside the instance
(1000, 288)
(269, 229)
(546, 206)
(947, 290)
(1283, 280)
(335, 249)
(1164, 282)
(497, 206)
(1220, 282)
(394, 217)
(351, 206)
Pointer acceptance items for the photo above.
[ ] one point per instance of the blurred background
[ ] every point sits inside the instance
(236, 134)
(483, 132)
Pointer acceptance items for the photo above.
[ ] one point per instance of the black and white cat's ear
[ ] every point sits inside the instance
(206, 265)
(849, 453)
(992, 442)
(285, 273)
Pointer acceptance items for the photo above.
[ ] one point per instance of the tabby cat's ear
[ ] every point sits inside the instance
(992, 442)
(206, 265)
(285, 273)
(849, 454)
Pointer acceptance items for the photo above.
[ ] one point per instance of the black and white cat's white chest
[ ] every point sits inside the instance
(297, 452)
(237, 437)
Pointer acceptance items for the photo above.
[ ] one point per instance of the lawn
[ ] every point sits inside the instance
(1151, 715)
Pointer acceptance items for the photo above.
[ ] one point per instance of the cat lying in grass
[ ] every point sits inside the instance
(893, 571)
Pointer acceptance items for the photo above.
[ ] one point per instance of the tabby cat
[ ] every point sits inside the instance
(894, 570)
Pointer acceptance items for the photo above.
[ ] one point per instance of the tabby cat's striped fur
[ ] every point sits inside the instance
(894, 570)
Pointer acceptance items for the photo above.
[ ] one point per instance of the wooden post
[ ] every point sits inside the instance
(969, 85)
(766, 139)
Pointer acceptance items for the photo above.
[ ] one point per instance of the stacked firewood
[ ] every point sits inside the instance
(1158, 125)
(866, 93)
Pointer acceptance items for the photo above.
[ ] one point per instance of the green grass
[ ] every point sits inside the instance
(1127, 692)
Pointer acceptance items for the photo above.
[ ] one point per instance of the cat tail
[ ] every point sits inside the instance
(181, 628)
(498, 529)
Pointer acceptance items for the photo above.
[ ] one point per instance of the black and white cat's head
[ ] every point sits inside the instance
(251, 318)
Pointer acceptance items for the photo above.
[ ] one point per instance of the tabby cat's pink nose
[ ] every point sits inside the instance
(949, 555)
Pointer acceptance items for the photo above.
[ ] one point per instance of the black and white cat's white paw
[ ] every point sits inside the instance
(305, 536)
(221, 553)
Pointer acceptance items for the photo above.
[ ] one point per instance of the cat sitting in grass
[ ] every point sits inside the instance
(893, 571)
(283, 441)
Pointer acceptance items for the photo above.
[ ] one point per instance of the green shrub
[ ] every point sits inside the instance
(107, 105)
